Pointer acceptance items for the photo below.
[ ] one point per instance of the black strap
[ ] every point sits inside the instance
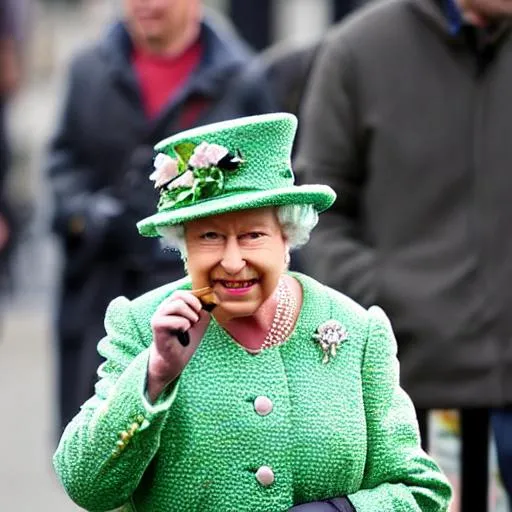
(332, 505)
(342, 504)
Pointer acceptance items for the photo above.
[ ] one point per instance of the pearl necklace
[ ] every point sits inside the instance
(283, 322)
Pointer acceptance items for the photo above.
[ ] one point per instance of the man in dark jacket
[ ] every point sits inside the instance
(409, 119)
(164, 68)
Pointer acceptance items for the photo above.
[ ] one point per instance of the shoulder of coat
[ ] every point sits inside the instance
(341, 306)
(369, 21)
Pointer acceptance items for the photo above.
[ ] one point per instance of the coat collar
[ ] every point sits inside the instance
(436, 15)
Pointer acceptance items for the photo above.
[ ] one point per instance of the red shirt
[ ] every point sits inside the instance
(160, 78)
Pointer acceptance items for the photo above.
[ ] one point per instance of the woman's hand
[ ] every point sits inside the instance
(167, 356)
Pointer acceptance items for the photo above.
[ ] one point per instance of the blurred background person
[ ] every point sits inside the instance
(12, 28)
(162, 68)
(287, 66)
(408, 118)
(285, 63)
(255, 19)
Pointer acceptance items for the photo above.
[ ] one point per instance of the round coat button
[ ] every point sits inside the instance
(265, 476)
(263, 405)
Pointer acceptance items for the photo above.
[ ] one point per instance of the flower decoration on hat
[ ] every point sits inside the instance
(207, 155)
(330, 335)
(166, 169)
(198, 173)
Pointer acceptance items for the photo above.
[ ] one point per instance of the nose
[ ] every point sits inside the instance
(232, 260)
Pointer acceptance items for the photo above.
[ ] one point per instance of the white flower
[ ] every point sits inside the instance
(207, 155)
(185, 180)
(161, 159)
(166, 168)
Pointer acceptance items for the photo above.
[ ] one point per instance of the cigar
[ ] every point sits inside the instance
(208, 300)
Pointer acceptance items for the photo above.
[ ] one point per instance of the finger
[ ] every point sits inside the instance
(187, 297)
(171, 323)
(204, 317)
(178, 308)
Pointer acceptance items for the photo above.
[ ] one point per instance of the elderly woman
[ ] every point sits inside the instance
(284, 396)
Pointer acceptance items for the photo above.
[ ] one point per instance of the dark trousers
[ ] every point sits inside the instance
(474, 460)
(77, 363)
(501, 420)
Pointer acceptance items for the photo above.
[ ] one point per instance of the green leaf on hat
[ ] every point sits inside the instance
(184, 151)
(184, 194)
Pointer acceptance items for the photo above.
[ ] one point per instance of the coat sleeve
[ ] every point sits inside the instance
(107, 447)
(330, 152)
(399, 476)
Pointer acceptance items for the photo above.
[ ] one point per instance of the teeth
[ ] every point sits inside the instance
(237, 284)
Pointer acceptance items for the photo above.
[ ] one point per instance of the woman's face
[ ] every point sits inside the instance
(241, 255)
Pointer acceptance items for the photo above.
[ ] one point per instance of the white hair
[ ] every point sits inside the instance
(296, 221)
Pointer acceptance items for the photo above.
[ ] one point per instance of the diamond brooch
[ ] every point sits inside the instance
(330, 335)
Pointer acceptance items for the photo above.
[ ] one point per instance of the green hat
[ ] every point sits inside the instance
(229, 166)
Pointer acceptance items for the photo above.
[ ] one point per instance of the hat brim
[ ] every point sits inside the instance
(321, 197)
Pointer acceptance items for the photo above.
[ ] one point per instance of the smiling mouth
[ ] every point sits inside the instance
(237, 284)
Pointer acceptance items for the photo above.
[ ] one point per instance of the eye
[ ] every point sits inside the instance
(210, 235)
(253, 235)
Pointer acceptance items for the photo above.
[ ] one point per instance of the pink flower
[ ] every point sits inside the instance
(185, 180)
(207, 155)
(166, 168)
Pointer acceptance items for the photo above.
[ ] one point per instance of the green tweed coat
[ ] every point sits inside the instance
(335, 429)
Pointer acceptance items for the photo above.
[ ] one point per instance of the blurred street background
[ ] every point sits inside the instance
(27, 387)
